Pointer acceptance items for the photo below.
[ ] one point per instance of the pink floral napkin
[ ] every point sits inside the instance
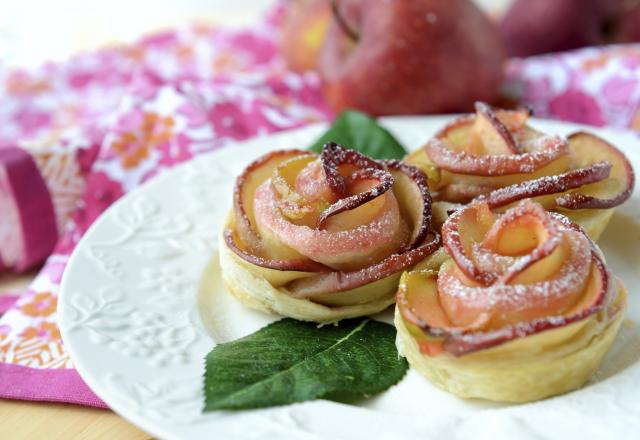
(126, 114)
(102, 123)
(597, 85)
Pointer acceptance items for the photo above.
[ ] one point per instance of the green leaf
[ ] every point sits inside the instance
(357, 131)
(292, 361)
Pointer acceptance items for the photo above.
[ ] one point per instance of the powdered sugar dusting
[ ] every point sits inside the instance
(547, 185)
(549, 149)
(369, 242)
(510, 302)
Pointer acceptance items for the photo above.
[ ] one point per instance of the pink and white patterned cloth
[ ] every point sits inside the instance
(597, 85)
(111, 120)
(102, 123)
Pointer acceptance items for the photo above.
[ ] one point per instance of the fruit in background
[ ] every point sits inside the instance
(542, 26)
(410, 56)
(628, 29)
(303, 32)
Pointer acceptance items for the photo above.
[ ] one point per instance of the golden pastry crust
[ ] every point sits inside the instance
(546, 364)
(256, 292)
(593, 221)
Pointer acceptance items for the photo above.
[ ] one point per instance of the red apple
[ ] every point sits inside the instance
(542, 26)
(628, 26)
(410, 56)
(303, 31)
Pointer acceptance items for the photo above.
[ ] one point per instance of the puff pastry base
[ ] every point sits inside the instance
(256, 292)
(526, 369)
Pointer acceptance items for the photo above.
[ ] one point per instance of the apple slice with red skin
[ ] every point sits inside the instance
(414, 193)
(298, 265)
(539, 267)
(351, 240)
(500, 152)
(503, 237)
(469, 226)
(546, 185)
(342, 281)
(464, 228)
(494, 135)
(605, 180)
(514, 120)
(332, 157)
(587, 148)
(412, 187)
(283, 180)
(435, 334)
(548, 149)
(253, 175)
(427, 301)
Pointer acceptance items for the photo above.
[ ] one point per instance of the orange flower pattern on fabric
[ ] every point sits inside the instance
(635, 121)
(40, 305)
(4, 341)
(22, 84)
(602, 58)
(38, 346)
(45, 330)
(134, 146)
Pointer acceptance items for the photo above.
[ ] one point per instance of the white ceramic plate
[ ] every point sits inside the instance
(130, 316)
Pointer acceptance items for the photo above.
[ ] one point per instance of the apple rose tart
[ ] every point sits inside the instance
(325, 237)
(496, 157)
(523, 309)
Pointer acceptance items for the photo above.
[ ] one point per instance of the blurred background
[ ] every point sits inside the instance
(33, 31)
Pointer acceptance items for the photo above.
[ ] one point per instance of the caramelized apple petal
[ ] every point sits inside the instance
(299, 265)
(334, 155)
(546, 185)
(246, 184)
(546, 150)
(459, 341)
(463, 229)
(495, 137)
(411, 189)
(291, 203)
(595, 298)
(352, 202)
(608, 193)
(342, 281)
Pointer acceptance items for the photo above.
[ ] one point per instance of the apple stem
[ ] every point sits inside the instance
(341, 22)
